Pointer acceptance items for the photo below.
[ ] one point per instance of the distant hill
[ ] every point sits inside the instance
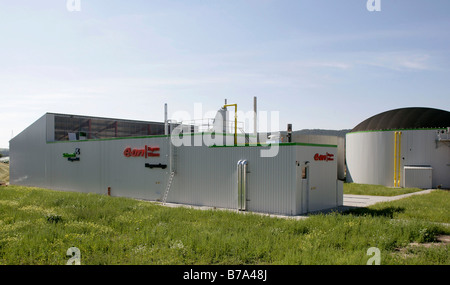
(4, 151)
(320, 132)
(338, 133)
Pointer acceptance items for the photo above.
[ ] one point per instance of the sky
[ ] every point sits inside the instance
(317, 64)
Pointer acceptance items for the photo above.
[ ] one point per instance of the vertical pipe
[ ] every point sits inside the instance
(254, 117)
(395, 159)
(242, 184)
(235, 120)
(235, 126)
(306, 191)
(166, 127)
(239, 184)
(289, 132)
(399, 161)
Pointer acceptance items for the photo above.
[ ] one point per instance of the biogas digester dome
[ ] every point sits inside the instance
(408, 147)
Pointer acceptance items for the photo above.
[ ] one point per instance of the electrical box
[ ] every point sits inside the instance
(418, 176)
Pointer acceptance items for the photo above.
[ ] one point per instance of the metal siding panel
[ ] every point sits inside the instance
(419, 177)
(271, 182)
(322, 178)
(370, 156)
(208, 176)
(423, 149)
(128, 176)
(205, 175)
(84, 175)
(28, 155)
(102, 165)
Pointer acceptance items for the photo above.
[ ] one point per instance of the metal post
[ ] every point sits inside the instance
(166, 126)
(255, 132)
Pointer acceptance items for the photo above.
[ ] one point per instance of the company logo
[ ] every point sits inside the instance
(147, 151)
(324, 157)
(73, 156)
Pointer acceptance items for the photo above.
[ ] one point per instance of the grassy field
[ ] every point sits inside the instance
(376, 190)
(38, 226)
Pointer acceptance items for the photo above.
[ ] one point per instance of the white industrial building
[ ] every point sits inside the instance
(140, 160)
(407, 147)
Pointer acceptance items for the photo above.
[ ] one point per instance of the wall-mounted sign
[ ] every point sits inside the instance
(159, 165)
(147, 151)
(324, 157)
(73, 156)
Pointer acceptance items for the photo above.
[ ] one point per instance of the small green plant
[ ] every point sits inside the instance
(51, 218)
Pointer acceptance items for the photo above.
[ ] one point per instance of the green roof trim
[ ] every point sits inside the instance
(166, 136)
(395, 130)
(279, 144)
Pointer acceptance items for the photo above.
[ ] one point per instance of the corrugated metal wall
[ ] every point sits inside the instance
(103, 164)
(370, 156)
(208, 176)
(325, 139)
(28, 155)
(204, 175)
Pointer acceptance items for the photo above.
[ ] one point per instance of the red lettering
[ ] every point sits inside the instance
(324, 157)
(145, 152)
(330, 156)
(127, 152)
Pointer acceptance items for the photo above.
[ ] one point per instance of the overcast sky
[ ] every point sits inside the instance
(320, 63)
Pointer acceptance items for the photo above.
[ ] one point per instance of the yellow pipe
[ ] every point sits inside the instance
(399, 156)
(395, 159)
(235, 120)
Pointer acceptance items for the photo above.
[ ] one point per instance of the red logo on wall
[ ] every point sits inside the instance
(147, 151)
(324, 157)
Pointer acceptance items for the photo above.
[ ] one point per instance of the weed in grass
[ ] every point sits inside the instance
(53, 218)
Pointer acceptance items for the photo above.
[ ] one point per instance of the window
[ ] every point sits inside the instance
(102, 128)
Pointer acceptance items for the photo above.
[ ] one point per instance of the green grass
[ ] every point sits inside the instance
(37, 226)
(376, 190)
(432, 207)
